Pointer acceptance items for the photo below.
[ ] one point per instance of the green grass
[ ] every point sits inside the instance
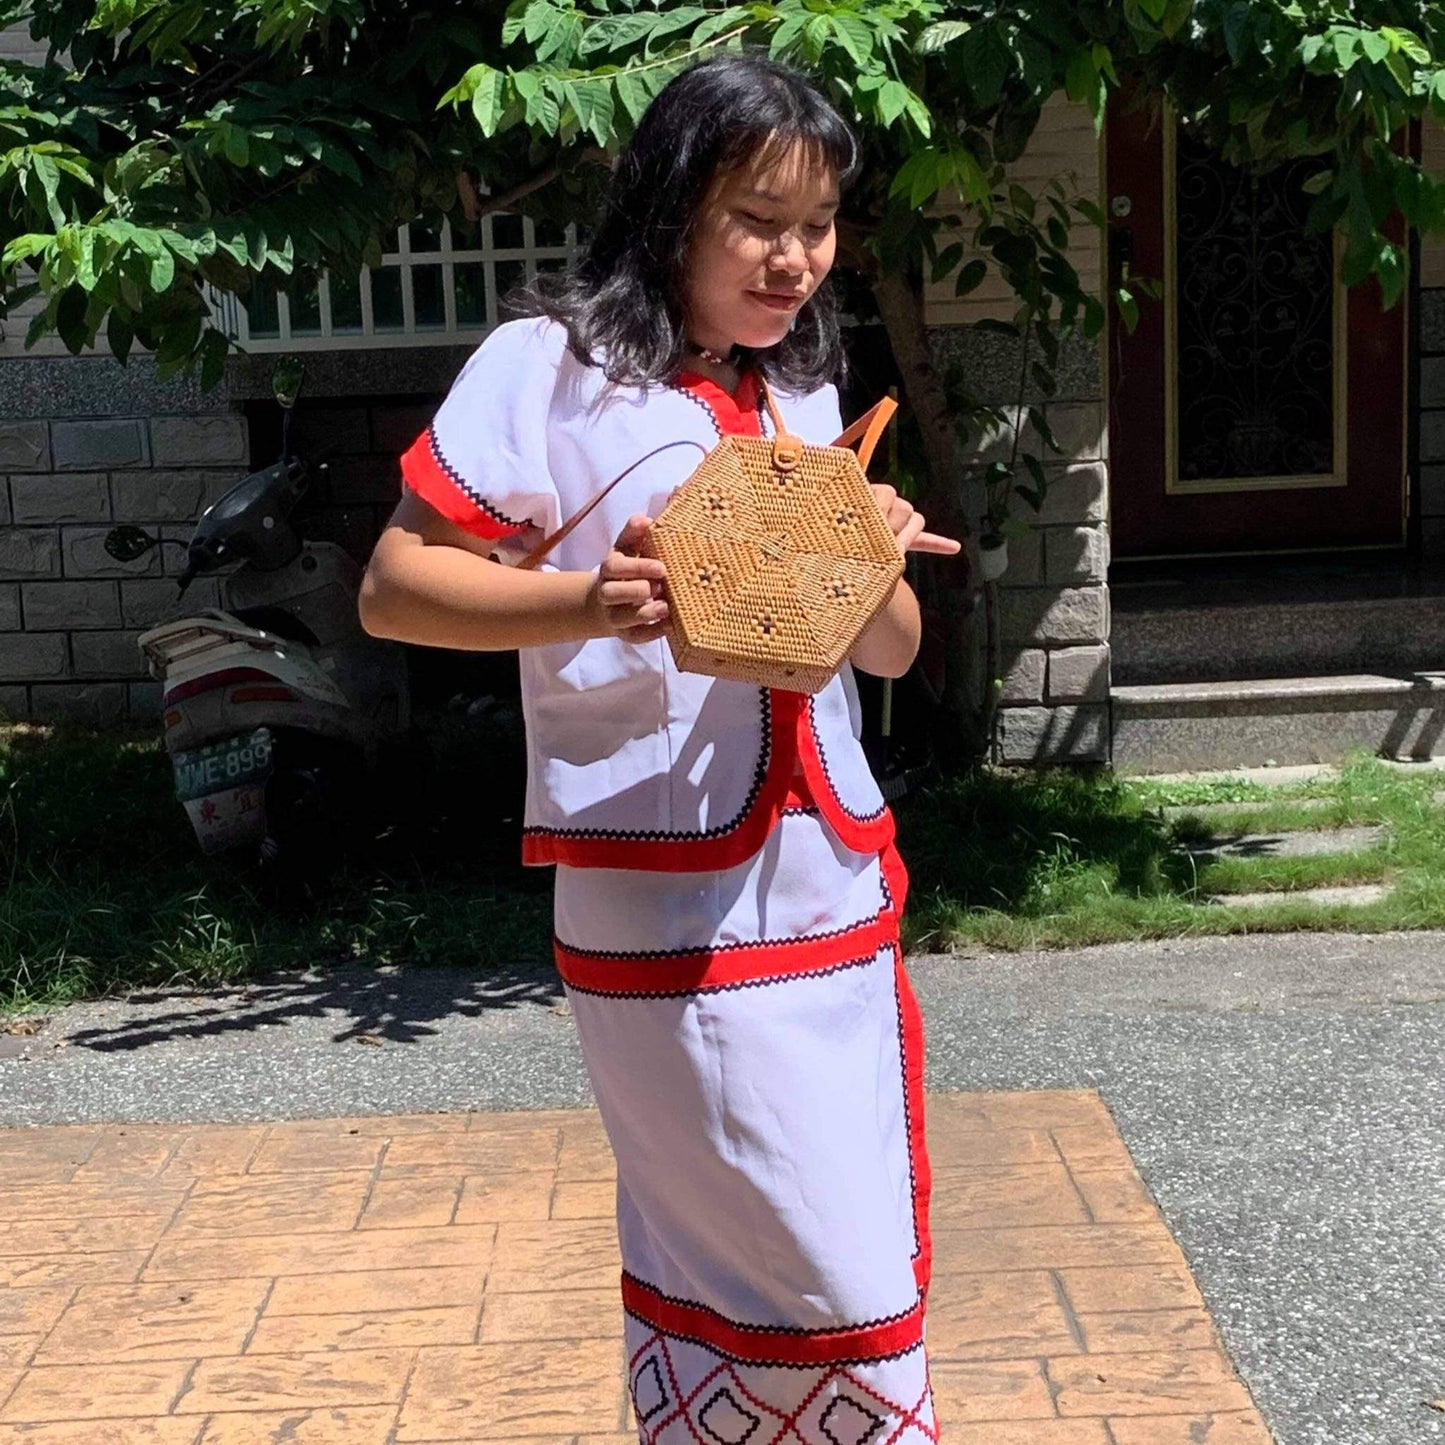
(104, 890)
(1017, 861)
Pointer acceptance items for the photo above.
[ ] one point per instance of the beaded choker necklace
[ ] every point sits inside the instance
(704, 353)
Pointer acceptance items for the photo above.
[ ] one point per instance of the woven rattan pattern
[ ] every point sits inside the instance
(773, 571)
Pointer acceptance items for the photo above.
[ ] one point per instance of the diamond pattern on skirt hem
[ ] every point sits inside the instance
(684, 1394)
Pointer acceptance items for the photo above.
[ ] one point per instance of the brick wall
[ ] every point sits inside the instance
(1054, 598)
(70, 613)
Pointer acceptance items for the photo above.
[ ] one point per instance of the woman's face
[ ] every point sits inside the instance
(764, 242)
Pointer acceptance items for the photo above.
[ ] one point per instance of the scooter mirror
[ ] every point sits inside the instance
(127, 543)
(286, 380)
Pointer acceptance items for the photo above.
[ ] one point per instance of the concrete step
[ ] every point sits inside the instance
(1177, 727)
(1359, 896)
(1295, 843)
(1273, 638)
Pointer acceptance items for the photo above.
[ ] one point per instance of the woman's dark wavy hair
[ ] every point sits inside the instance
(623, 304)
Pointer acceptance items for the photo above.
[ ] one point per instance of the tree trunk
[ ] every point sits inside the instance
(900, 304)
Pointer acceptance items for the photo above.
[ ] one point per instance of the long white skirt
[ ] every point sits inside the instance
(756, 1053)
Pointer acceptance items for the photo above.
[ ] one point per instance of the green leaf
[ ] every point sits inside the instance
(855, 35)
(632, 93)
(120, 334)
(237, 145)
(941, 34)
(1128, 308)
(946, 260)
(214, 350)
(489, 98)
(592, 101)
(892, 99)
(970, 278)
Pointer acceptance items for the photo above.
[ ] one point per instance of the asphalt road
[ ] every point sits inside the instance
(1284, 1098)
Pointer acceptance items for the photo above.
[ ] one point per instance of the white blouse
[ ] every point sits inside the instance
(631, 763)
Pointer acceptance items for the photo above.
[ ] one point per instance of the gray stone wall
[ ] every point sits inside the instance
(1432, 424)
(1054, 599)
(85, 445)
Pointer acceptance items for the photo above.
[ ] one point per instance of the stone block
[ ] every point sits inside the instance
(5, 517)
(9, 607)
(146, 602)
(91, 445)
(1054, 615)
(85, 556)
(14, 703)
(106, 654)
(70, 606)
(1432, 381)
(144, 702)
(1076, 494)
(200, 441)
(1023, 676)
(395, 428)
(1053, 734)
(1432, 436)
(60, 497)
(1432, 538)
(25, 655)
(1432, 321)
(29, 552)
(24, 446)
(93, 704)
(354, 529)
(1079, 674)
(1432, 491)
(163, 496)
(1080, 429)
(1076, 554)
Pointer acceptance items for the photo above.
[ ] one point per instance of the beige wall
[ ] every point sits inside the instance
(1065, 148)
(16, 44)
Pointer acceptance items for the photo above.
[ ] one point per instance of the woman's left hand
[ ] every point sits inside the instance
(908, 525)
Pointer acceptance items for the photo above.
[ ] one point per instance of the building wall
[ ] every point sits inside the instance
(1431, 341)
(1054, 599)
(85, 445)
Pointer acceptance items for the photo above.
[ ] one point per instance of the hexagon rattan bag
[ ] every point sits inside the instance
(777, 554)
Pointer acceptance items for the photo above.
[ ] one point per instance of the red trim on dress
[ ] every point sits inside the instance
(870, 835)
(757, 1344)
(709, 968)
(423, 470)
(698, 854)
(736, 414)
(911, 1021)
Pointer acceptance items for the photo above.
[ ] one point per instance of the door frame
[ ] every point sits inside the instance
(1346, 298)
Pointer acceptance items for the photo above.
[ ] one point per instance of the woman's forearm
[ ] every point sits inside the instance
(890, 642)
(444, 596)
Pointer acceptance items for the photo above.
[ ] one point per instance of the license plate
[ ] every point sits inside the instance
(239, 762)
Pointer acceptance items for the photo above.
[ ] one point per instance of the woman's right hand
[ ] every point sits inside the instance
(627, 593)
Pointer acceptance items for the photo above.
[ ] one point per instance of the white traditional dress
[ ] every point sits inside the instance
(727, 907)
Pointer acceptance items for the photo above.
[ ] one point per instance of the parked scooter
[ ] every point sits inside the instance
(284, 720)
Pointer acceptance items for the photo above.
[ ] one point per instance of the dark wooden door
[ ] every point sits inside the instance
(1258, 407)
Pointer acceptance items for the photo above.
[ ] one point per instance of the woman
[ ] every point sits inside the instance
(727, 894)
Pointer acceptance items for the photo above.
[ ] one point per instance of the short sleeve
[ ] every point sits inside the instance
(482, 463)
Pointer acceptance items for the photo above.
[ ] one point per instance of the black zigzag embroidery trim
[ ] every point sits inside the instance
(840, 1400)
(734, 1359)
(800, 1331)
(726, 1394)
(872, 817)
(907, 1112)
(706, 406)
(760, 774)
(655, 955)
(711, 988)
(466, 488)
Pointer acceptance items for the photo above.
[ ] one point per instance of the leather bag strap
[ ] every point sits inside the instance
(787, 453)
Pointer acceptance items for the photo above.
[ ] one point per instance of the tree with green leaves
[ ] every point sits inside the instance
(174, 145)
